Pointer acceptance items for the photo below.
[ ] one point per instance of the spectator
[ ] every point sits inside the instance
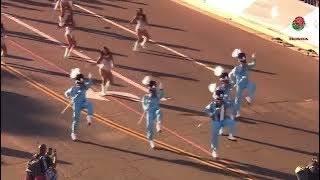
(309, 172)
(51, 159)
(42, 165)
(36, 166)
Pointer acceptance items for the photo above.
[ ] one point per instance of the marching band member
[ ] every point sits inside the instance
(240, 77)
(79, 101)
(151, 106)
(143, 36)
(225, 85)
(217, 111)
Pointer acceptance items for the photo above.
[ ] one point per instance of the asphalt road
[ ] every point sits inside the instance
(277, 133)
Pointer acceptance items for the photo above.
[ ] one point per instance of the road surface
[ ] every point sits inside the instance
(275, 134)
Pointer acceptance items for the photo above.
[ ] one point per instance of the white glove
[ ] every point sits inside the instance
(89, 75)
(160, 86)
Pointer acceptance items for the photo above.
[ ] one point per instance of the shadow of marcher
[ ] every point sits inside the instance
(23, 115)
(181, 162)
(23, 154)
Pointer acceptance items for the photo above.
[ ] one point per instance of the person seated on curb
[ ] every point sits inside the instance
(309, 172)
(51, 160)
(36, 167)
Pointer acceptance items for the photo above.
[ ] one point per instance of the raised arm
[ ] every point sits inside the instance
(134, 20)
(209, 109)
(145, 102)
(68, 93)
(88, 82)
(252, 64)
(232, 76)
(160, 91)
(100, 59)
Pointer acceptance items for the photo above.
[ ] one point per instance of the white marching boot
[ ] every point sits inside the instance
(249, 99)
(238, 114)
(231, 137)
(158, 126)
(152, 144)
(214, 154)
(89, 120)
(220, 131)
(74, 137)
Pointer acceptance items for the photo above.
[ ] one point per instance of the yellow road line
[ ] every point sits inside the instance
(110, 123)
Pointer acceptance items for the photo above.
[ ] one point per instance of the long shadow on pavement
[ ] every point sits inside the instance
(35, 20)
(175, 108)
(94, 31)
(24, 115)
(23, 154)
(133, 2)
(279, 125)
(240, 120)
(30, 37)
(99, 3)
(175, 46)
(226, 66)
(104, 33)
(18, 6)
(33, 3)
(28, 68)
(199, 113)
(119, 20)
(279, 147)
(44, 40)
(18, 57)
(174, 161)
(156, 74)
(259, 170)
(89, 6)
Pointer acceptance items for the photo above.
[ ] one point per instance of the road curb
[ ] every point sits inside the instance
(250, 25)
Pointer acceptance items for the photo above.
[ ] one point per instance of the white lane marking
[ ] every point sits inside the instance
(91, 94)
(88, 59)
(132, 32)
(124, 94)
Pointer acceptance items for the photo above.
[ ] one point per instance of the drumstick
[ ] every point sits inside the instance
(141, 118)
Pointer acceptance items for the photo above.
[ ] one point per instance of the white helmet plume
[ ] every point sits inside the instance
(146, 80)
(212, 87)
(74, 73)
(235, 53)
(218, 70)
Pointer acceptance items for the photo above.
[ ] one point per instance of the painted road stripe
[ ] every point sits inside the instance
(110, 123)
